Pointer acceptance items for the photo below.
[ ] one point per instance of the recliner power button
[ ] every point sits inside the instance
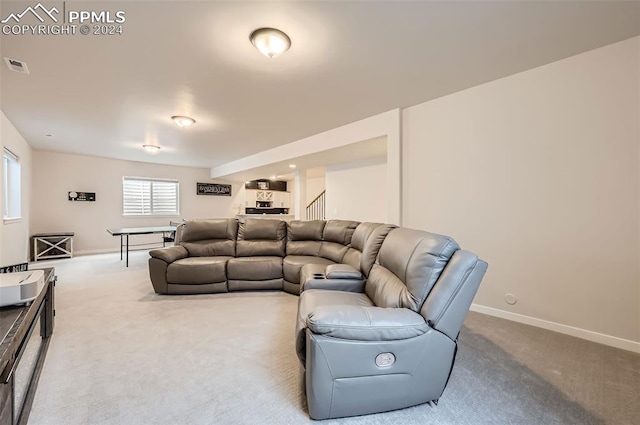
(385, 359)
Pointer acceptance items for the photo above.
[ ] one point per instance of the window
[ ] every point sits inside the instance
(142, 196)
(10, 185)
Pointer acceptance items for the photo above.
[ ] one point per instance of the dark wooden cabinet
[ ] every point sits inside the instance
(26, 332)
(263, 184)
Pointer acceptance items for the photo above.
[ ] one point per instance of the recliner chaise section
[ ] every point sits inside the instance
(392, 345)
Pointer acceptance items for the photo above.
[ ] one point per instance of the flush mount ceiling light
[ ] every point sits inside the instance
(292, 165)
(270, 41)
(183, 121)
(151, 148)
(16, 65)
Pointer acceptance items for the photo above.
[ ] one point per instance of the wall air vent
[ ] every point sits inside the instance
(16, 65)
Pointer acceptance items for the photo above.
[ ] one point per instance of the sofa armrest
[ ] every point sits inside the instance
(315, 276)
(366, 323)
(346, 285)
(170, 254)
(342, 271)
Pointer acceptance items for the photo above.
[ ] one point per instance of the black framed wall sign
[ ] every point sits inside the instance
(81, 196)
(215, 189)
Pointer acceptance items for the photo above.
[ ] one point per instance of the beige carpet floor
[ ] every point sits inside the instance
(121, 354)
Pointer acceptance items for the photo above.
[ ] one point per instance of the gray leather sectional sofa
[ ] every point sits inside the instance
(380, 306)
(221, 255)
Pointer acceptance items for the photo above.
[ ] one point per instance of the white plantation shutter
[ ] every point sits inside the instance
(136, 196)
(164, 197)
(142, 196)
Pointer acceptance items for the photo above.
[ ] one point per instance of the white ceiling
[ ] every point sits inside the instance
(108, 95)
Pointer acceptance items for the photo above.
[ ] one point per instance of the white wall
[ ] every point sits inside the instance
(357, 191)
(55, 174)
(315, 186)
(538, 173)
(14, 236)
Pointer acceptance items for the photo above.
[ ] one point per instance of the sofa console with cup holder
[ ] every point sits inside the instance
(380, 306)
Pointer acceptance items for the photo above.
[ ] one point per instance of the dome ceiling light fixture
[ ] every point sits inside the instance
(183, 121)
(270, 42)
(151, 148)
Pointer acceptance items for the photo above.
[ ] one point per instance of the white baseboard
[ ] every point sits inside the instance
(95, 251)
(613, 341)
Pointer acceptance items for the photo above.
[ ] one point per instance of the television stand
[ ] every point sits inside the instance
(25, 331)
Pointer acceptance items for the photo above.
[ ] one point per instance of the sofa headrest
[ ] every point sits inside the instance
(362, 233)
(262, 229)
(372, 245)
(305, 230)
(417, 259)
(212, 229)
(339, 231)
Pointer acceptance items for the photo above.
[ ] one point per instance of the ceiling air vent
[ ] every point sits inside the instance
(16, 65)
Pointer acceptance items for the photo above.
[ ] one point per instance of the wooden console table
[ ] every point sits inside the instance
(25, 332)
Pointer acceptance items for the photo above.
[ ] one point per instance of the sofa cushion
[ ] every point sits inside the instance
(254, 285)
(257, 229)
(292, 264)
(312, 299)
(386, 289)
(308, 248)
(353, 255)
(408, 265)
(258, 248)
(220, 228)
(332, 251)
(304, 237)
(210, 248)
(362, 233)
(372, 245)
(261, 237)
(198, 270)
(339, 231)
(254, 268)
(204, 288)
(305, 230)
(210, 238)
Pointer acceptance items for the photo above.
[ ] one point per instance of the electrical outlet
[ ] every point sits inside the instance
(510, 299)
